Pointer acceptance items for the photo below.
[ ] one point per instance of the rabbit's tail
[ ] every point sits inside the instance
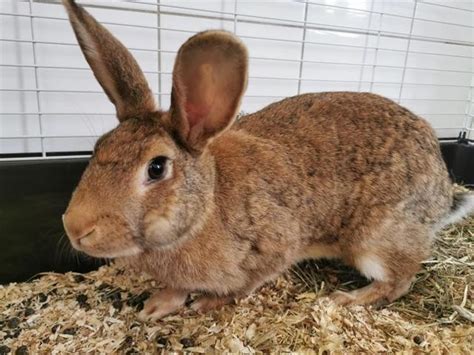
(463, 206)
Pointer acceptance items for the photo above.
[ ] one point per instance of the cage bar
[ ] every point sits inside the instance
(374, 47)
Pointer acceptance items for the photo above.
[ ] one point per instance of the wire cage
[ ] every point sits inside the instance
(418, 53)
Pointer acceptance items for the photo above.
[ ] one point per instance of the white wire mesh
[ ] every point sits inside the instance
(419, 53)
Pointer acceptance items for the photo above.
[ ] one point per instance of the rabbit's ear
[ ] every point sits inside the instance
(209, 80)
(114, 67)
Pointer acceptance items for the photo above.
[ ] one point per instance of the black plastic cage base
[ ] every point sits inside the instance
(459, 158)
(35, 193)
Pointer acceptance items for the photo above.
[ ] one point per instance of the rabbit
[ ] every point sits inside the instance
(208, 204)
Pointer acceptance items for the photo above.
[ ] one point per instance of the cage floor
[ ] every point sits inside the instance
(96, 312)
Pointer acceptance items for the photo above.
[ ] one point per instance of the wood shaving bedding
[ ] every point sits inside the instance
(97, 312)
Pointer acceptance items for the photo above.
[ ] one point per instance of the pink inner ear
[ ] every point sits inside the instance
(195, 113)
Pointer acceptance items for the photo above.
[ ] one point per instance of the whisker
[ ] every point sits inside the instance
(60, 249)
(77, 256)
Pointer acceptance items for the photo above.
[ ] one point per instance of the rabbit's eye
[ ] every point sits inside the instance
(157, 168)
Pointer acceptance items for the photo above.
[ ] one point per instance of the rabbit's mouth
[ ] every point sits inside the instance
(93, 244)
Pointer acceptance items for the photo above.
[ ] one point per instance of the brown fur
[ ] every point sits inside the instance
(342, 175)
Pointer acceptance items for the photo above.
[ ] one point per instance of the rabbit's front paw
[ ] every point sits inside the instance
(162, 303)
(206, 303)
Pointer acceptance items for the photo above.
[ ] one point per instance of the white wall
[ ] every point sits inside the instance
(437, 85)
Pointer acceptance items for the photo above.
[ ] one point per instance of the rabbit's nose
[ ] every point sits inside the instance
(78, 226)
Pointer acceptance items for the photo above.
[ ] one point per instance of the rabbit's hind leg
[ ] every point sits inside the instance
(391, 258)
(378, 293)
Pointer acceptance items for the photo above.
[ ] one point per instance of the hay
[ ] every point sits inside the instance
(96, 312)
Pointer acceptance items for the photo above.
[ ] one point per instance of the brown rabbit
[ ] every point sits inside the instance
(207, 204)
